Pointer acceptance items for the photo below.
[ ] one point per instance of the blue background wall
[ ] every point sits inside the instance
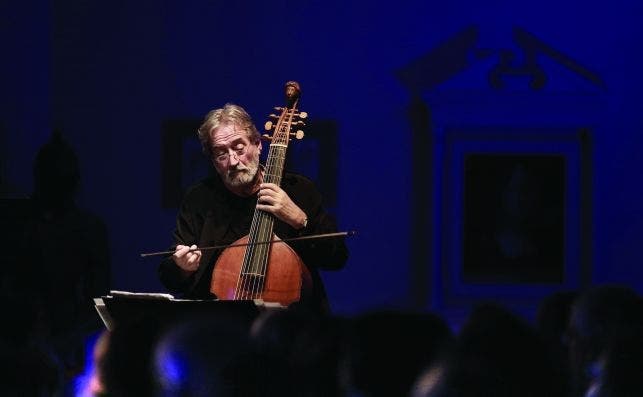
(394, 78)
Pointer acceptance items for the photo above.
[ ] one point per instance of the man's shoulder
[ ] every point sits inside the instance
(295, 179)
(300, 186)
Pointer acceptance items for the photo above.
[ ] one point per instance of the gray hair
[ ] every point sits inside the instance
(228, 114)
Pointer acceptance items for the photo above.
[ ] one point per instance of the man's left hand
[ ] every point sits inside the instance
(273, 199)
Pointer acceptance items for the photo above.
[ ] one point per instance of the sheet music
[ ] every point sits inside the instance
(141, 295)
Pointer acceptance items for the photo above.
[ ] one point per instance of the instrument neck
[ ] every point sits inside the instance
(255, 259)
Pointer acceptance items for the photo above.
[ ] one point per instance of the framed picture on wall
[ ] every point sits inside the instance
(514, 204)
(513, 218)
(182, 160)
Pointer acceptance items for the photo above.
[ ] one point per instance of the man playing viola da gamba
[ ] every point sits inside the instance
(219, 210)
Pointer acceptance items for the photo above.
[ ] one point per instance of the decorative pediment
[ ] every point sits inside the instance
(521, 62)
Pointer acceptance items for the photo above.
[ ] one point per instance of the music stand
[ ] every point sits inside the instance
(120, 307)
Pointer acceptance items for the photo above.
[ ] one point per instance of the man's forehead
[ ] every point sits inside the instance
(226, 133)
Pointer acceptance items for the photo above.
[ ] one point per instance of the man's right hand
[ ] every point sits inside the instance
(187, 260)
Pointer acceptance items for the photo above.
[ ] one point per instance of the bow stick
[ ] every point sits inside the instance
(214, 247)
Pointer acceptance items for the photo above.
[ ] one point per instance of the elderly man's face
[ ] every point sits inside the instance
(234, 156)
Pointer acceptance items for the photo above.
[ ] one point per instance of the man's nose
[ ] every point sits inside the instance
(233, 158)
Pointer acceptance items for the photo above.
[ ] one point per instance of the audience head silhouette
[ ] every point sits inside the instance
(56, 172)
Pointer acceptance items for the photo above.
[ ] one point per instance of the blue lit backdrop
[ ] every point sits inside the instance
(394, 81)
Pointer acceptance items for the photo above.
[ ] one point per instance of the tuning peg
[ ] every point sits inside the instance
(297, 135)
(299, 123)
(302, 115)
(279, 109)
(268, 126)
(266, 137)
(273, 116)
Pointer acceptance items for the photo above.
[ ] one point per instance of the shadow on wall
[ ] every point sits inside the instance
(57, 260)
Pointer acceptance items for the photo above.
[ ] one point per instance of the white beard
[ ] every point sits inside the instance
(242, 175)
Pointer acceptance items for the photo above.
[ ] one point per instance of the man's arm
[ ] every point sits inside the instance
(328, 253)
